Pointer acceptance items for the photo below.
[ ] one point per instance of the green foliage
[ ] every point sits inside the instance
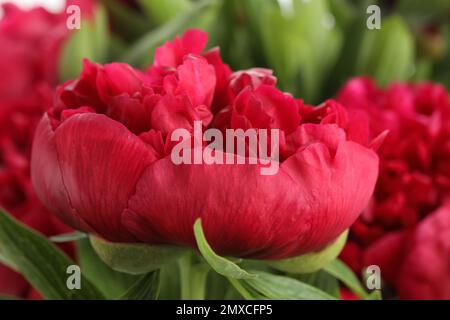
(40, 261)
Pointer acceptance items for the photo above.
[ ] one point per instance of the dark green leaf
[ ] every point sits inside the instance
(40, 261)
(321, 280)
(147, 288)
(129, 24)
(135, 258)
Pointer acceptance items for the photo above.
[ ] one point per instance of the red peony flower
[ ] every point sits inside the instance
(405, 229)
(30, 42)
(101, 158)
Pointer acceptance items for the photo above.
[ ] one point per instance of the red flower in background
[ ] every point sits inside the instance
(101, 158)
(30, 44)
(406, 228)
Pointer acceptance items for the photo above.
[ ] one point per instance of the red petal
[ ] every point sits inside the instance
(311, 200)
(47, 178)
(425, 272)
(100, 161)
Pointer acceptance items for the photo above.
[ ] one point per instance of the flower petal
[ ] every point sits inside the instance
(100, 161)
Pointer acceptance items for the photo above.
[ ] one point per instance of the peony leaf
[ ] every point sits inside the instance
(40, 261)
(220, 264)
(314, 261)
(67, 237)
(135, 258)
(277, 287)
(7, 262)
(146, 288)
(339, 270)
(321, 280)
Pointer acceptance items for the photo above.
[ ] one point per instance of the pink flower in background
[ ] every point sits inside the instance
(405, 229)
(101, 158)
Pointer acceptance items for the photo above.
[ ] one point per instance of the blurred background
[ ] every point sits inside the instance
(312, 45)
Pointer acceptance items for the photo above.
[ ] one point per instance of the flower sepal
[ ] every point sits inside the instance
(313, 261)
(135, 258)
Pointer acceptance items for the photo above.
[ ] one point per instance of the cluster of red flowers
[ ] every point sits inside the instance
(28, 72)
(406, 228)
(30, 45)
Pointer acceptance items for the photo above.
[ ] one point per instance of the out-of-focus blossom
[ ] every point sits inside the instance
(405, 229)
(30, 44)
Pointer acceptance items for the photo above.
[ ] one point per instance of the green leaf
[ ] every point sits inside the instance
(147, 288)
(40, 261)
(221, 265)
(339, 270)
(145, 47)
(163, 11)
(112, 283)
(311, 262)
(135, 258)
(67, 237)
(219, 288)
(283, 288)
(4, 260)
(321, 280)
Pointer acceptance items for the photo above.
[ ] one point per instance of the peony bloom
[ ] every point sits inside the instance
(406, 228)
(101, 158)
(30, 43)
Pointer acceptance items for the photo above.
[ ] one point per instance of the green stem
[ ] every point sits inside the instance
(193, 277)
(184, 264)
